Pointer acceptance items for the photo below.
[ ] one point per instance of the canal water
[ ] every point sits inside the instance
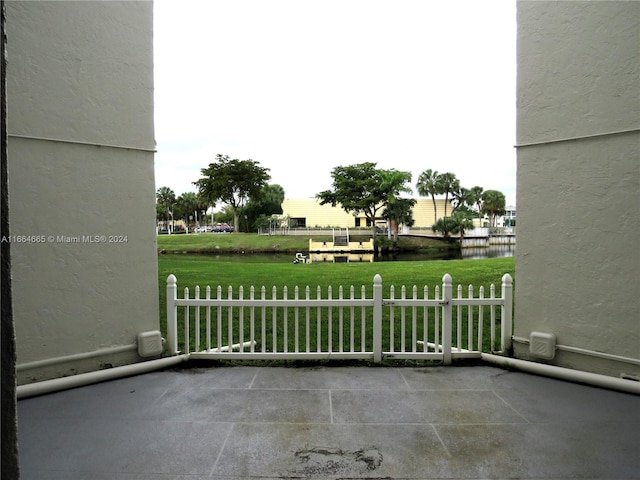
(493, 251)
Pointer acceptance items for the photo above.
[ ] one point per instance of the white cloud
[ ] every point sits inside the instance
(304, 86)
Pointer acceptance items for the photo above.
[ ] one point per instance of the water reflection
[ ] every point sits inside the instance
(466, 254)
(493, 251)
(340, 257)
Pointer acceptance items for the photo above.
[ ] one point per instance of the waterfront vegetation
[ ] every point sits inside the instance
(247, 243)
(226, 271)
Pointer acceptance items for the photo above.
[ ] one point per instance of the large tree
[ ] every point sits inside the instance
(232, 182)
(267, 203)
(493, 204)
(428, 186)
(363, 188)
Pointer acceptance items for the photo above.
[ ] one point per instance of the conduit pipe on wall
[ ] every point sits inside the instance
(75, 357)
(584, 351)
(82, 379)
(595, 379)
(49, 386)
(77, 142)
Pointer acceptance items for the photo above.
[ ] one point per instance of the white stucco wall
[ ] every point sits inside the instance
(80, 125)
(578, 261)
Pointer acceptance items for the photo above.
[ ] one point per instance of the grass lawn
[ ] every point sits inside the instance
(227, 243)
(203, 270)
(192, 270)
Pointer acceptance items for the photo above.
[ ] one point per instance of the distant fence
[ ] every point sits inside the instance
(410, 324)
(310, 231)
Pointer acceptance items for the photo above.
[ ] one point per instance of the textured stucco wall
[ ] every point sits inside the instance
(81, 75)
(577, 260)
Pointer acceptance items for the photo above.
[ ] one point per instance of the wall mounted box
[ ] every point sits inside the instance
(542, 345)
(150, 344)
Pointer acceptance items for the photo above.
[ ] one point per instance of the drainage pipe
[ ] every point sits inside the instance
(584, 351)
(82, 379)
(595, 379)
(75, 357)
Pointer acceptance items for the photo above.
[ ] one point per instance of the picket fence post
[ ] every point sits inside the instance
(447, 310)
(172, 314)
(377, 318)
(507, 313)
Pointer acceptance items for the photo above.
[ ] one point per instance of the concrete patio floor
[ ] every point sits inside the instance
(330, 423)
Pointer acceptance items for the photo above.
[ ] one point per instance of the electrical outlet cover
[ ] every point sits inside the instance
(150, 343)
(542, 345)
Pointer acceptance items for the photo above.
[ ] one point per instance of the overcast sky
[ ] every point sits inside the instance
(304, 86)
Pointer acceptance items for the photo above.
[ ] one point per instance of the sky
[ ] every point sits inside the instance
(303, 86)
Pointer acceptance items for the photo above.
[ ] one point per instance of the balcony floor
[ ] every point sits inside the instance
(330, 423)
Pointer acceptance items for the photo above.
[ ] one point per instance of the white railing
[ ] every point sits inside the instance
(405, 326)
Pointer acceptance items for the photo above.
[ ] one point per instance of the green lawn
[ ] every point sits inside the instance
(238, 243)
(203, 270)
(232, 243)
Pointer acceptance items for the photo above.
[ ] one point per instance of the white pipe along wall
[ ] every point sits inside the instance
(80, 380)
(595, 379)
(49, 386)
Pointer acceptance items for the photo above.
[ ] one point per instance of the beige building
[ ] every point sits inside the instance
(81, 184)
(578, 135)
(307, 212)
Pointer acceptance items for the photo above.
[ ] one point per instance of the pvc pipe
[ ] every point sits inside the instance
(82, 379)
(595, 379)
(584, 351)
(77, 142)
(592, 353)
(78, 356)
(579, 137)
(54, 385)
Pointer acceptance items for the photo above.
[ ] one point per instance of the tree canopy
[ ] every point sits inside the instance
(447, 184)
(428, 186)
(232, 182)
(493, 204)
(363, 188)
(258, 210)
(400, 212)
(191, 205)
(166, 198)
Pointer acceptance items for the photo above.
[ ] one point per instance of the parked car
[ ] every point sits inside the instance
(222, 228)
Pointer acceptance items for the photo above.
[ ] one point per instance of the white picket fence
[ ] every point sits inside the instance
(410, 324)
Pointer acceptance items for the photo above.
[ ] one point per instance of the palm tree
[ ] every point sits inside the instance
(461, 199)
(190, 205)
(401, 211)
(166, 197)
(462, 222)
(428, 186)
(476, 196)
(448, 183)
(493, 203)
(392, 183)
